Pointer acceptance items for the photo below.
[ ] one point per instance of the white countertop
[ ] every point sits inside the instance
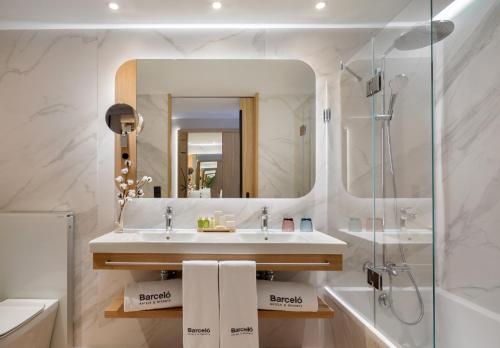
(239, 242)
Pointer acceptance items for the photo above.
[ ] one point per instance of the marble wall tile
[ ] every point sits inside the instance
(467, 124)
(48, 93)
(286, 167)
(153, 142)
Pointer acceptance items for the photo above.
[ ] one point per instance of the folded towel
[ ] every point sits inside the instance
(286, 296)
(238, 305)
(153, 295)
(200, 292)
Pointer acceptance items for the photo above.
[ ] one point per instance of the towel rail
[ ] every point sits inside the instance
(145, 263)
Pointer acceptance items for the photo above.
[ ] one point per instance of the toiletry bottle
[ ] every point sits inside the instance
(200, 222)
(206, 222)
(219, 216)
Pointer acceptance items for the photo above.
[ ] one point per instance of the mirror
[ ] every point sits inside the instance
(226, 128)
(123, 119)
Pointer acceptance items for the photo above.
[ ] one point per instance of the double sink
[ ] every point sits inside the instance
(243, 241)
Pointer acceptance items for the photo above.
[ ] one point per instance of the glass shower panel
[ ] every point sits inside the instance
(402, 178)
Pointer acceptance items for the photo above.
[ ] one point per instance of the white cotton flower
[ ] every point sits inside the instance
(128, 163)
(149, 179)
(128, 199)
(121, 202)
(131, 193)
(140, 192)
(123, 186)
(120, 195)
(119, 179)
(124, 171)
(130, 182)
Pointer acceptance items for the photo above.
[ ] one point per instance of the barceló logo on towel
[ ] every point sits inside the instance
(281, 299)
(198, 332)
(241, 331)
(161, 296)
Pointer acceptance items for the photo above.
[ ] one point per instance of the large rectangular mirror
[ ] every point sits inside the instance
(226, 128)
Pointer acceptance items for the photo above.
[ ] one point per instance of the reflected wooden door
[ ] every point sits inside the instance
(182, 160)
(230, 173)
(249, 122)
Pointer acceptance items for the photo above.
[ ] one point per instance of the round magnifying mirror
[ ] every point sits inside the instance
(123, 119)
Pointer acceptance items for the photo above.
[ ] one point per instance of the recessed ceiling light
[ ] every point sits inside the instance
(113, 6)
(216, 5)
(320, 5)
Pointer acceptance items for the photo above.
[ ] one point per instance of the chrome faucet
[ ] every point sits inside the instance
(407, 214)
(264, 219)
(169, 219)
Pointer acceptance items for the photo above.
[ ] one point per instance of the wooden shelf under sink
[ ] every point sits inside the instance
(115, 310)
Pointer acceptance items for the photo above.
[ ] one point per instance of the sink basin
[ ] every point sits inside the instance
(272, 237)
(162, 236)
(239, 242)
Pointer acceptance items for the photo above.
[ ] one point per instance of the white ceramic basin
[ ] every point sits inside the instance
(239, 242)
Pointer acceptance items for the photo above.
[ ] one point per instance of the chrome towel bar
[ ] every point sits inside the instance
(142, 263)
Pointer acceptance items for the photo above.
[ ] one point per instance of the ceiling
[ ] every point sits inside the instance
(206, 108)
(204, 143)
(74, 13)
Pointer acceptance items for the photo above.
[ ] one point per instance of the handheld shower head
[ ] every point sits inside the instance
(397, 83)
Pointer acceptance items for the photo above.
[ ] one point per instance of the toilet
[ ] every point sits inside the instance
(26, 323)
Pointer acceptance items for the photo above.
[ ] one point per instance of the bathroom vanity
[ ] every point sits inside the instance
(272, 251)
(161, 250)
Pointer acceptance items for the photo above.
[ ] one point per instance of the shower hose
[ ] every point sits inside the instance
(401, 249)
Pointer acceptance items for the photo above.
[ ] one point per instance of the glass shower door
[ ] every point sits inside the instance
(402, 178)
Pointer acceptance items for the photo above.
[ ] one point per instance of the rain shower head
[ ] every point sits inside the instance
(397, 83)
(420, 36)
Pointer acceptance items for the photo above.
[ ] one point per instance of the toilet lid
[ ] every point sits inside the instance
(13, 317)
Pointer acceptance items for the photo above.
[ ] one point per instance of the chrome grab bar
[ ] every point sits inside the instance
(145, 263)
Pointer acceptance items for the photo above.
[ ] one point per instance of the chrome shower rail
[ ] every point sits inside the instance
(145, 263)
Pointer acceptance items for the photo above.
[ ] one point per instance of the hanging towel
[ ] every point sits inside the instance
(287, 296)
(238, 305)
(153, 295)
(200, 292)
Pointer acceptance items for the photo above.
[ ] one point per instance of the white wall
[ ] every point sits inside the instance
(467, 157)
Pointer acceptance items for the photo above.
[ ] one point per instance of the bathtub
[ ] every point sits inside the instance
(463, 324)
(459, 323)
(359, 303)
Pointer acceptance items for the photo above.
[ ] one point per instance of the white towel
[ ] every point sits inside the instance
(200, 290)
(153, 295)
(287, 296)
(238, 305)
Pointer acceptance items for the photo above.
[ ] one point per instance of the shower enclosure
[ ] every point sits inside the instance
(386, 117)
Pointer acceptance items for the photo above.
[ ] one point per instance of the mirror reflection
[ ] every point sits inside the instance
(123, 119)
(226, 128)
